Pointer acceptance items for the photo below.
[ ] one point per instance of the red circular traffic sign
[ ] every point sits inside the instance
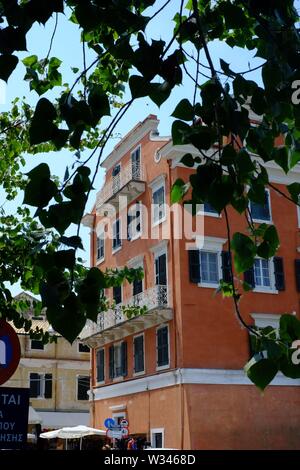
(10, 351)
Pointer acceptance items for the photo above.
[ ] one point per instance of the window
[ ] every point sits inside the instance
(83, 386)
(100, 247)
(83, 348)
(138, 346)
(137, 286)
(261, 212)
(262, 273)
(158, 201)
(161, 279)
(117, 294)
(136, 163)
(266, 275)
(157, 438)
(134, 221)
(100, 364)
(37, 344)
(208, 209)
(209, 268)
(117, 235)
(162, 345)
(116, 178)
(40, 385)
(118, 360)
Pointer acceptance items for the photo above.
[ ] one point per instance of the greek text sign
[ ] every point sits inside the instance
(14, 405)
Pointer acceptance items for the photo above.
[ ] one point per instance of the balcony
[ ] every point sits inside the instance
(114, 324)
(129, 183)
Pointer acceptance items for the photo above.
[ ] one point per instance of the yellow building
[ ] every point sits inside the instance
(58, 375)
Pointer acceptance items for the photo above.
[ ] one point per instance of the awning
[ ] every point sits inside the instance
(34, 417)
(60, 419)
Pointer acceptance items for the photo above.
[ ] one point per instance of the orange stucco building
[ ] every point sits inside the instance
(176, 372)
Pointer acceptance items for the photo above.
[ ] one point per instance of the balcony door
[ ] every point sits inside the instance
(161, 279)
(136, 164)
(116, 178)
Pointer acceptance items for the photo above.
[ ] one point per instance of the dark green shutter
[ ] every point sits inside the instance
(226, 266)
(100, 365)
(139, 354)
(297, 271)
(279, 273)
(194, 266)
(111, 362)
(124, 358)
(162, 347)
(35, 385)
(249, 277)
(48, 385)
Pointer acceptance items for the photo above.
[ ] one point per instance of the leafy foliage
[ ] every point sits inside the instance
(229, 145)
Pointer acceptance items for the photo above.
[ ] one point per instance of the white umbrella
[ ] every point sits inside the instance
(74, 432)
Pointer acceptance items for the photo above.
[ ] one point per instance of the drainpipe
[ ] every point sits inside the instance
(176, 332)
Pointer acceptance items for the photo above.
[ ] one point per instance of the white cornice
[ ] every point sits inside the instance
(61, 364)
(184, 376)
(133, 138)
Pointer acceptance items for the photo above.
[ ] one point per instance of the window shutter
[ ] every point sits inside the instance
(194, 266)
(297, 270)
(279, 273)
(139, 354)
(117, 294)
(111, 362)
(35, 385)
(249, 277)
(137, 286)
(124, 358)
(162, 347)
(162, 260)
(100, 365)
(48, 385)
(226, 266)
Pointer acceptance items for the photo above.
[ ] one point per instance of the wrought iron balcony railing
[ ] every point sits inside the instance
(132, 172)
(155, 298)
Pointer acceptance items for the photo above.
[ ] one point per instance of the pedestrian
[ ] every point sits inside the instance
(132, 444)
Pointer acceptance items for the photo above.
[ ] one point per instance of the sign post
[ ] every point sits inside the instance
(10, 351)
(14, 405)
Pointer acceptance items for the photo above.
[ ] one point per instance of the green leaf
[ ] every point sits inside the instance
(244, 252)
(179, 189)
(139, 86)
(8, 64)
(270, 244)
(188, 160)
(261, 373)
(294, 190)
(73, 241)
(228, 156)
(226, 69)
(184, 111)
(281, 157)
(295, 158)
(180, 132)
(40, 189)
(289, 328)
(159, 92)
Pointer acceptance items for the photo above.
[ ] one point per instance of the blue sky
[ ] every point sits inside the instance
(66, 46)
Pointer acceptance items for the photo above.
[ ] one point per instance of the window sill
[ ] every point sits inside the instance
(208, 285)
(100, 260)
(137, 374)
(115, 250)
(210, 214)
(118, 379)
(265, 291)
(167, 366)
(158, 222)
(135, 238)
(260, 221)
(100, 383)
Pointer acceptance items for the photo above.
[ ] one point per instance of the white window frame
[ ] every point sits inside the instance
(154, 431)
(118, 345)
(263, 289)
(262, 320)
(118, 248)
(121, 415)
(137, 234)
(261, 221)
(155, 185)
(138, 147)
(42, 385)
(212, 245)
(166, 366)
(102, 381)
(159, 250)
(99, 235)
(142, 372)
(78, 376)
